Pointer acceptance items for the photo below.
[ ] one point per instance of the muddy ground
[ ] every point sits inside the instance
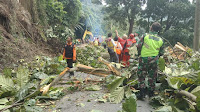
(86, 101)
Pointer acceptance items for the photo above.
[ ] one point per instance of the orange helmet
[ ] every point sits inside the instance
(131, 35)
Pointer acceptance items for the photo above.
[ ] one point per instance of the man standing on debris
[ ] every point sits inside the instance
(112, 49)
(125, 52)
(118, 47)
(149, 49)
(70, 54)
(122, 41)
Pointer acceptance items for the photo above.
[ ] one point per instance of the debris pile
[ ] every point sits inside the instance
(178, 51)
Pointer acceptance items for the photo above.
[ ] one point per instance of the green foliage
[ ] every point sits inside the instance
(23, 87)
(181, 76)
(116, 83)
(198, 103)
(7, 72)
(30, 106)
(93, 88)
(7, 85)
(196, 91)
(40, 75)
(176, 18)
(89, 56)
(55, 12)
(22, 76)
(164, 109)
(161, 64)
(24, 91)
(130, 104)
(117, 95)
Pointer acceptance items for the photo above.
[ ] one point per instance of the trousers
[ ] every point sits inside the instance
(147, 67)
(70, 65)
(125, 59)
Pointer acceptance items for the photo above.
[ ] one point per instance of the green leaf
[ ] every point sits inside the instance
(45, 81)
(93, 88)
(161, 64)
(3, 101)
(33, 108)
(130, 104)
(118, 95)
(174, 109)
(128, 93)
(116, 83)
(164, 109)
(6, 84)
(196, 91)
(132, 82)
(30, 106)
(4, 106)
(198, 103)
(173, 82)
(23, 91)
(40, 75)
(7, 72)
(60, 58)
(22, 76)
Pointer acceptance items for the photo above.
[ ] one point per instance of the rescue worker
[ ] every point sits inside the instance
(137, 37)
(150, 47)
(96, 42)
(112, 49)
(125, 52)
(118, 47)
(122, 42)
(70, 54)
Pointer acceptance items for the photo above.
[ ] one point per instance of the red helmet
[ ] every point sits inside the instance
(131, 35)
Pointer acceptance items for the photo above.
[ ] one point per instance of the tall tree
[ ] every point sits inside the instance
(122, 10)
(197, 26)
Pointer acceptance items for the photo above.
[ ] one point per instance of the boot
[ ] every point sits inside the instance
(142, 94)
(150, 93)
(71, 74)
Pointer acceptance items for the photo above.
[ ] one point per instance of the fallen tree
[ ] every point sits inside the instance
(86, 69)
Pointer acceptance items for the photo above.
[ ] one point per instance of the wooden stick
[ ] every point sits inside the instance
(110, 66)
(187, 94)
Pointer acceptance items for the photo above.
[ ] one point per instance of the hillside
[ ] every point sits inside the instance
(20, 36)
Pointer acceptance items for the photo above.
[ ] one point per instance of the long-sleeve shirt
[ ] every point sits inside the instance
(121, 41)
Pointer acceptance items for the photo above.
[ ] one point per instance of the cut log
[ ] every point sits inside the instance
(45, 89)
(179, 47)
(187, 94)
(94, 71)
(81, 68)
(110, 66)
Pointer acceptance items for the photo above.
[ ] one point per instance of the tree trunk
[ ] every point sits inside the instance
(147, 29)
(196, 26)
(168, 24)
(131, 22)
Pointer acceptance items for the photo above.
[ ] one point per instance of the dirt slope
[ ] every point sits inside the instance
(20, 37)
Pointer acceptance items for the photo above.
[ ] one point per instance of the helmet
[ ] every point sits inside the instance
(131, 35)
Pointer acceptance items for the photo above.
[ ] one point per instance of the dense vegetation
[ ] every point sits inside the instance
(58, 19)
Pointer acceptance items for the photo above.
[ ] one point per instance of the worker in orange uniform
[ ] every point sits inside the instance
(118, 47)
(122, 41)
(70, 54)
(125, 52)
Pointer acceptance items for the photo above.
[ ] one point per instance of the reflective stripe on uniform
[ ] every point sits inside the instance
(151, 45)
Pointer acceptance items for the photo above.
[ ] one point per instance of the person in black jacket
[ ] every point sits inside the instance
(70, 54)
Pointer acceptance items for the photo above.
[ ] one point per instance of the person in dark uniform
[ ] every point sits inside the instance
(70, 54)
